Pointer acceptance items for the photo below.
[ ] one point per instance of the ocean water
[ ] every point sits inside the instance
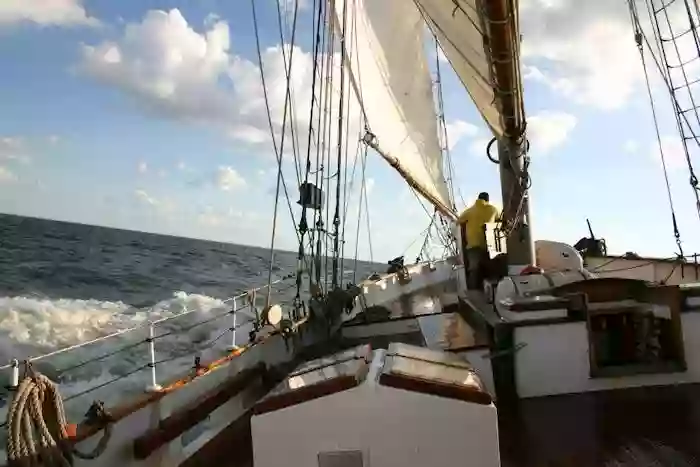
(63, 284)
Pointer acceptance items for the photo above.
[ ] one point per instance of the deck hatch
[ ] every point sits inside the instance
(318, 378)
(432, 372)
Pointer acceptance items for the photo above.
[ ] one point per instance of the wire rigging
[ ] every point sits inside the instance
(665, 74)
(339, 159)
(640, 46)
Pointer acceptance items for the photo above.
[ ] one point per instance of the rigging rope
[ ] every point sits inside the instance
(680, 114)
(303, 225)
(280, 153)
(640, 46)
(290, 87)
(339, 160)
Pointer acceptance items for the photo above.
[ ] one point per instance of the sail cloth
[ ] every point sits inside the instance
(460, 31)
(390, 75)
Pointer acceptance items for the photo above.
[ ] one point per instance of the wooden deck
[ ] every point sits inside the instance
(657, 426)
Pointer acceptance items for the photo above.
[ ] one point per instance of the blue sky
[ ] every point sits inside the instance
(92, 129)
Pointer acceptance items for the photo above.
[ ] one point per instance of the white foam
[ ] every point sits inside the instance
(49, 324)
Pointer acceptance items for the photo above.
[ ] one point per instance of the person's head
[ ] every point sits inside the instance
(484, 196)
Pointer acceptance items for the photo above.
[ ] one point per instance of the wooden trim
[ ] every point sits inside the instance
(436, 388)
(231, 447)
(87, 430)
(398, 318)
(314, 391)
(179, 422)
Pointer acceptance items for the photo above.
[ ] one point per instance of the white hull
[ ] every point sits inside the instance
(551, 357)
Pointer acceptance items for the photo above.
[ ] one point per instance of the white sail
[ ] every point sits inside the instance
(390, 75)
(460, 31)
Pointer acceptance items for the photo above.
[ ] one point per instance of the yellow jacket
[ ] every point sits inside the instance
(476, 217)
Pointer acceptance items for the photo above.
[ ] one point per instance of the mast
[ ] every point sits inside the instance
(502, 19)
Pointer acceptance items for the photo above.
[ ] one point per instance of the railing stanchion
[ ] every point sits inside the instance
(234, 310)
(14, 377)
(152, 364)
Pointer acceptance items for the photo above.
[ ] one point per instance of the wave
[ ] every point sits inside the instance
(31, 326)
(43, 325)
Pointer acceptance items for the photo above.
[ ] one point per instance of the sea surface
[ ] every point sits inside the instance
(63, 284)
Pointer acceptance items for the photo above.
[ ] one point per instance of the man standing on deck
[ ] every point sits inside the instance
(472, 223)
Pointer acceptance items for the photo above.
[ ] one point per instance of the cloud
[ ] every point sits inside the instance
(584, 51)
(6, 175)
(458, 129)
(142, 167)
(228, 179)
(631, 146)
(549, 129)
(164, 206)
(45, 12)
(369, 185)
(478, 147)
(182, 73)
(146, 198)
(12, 148)
(674, 153)
(287, 6)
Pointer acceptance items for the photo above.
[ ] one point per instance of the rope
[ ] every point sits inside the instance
(640, 46)
(339, 159)
(680, 114)
(279, 152)
(31, 440)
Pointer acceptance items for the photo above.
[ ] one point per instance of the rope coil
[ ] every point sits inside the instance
(37, 425)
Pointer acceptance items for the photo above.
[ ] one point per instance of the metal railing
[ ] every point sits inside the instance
(236, 304)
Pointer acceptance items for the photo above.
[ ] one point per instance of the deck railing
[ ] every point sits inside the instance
(148, 334)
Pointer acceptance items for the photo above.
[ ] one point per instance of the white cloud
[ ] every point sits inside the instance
(142, 167)
(228, 179)
(6, 175)
(12, 148)
(54, 139)
(631, 146)
(45, 12)
(549, 129)
(674, 153)
(287, 6)
(164, 206)
(179, 72)
(478, 147)
(146, 198)
(369, 185)
(585, 52)
(458, 129)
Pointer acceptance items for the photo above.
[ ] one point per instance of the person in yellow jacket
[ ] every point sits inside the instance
(474, 220)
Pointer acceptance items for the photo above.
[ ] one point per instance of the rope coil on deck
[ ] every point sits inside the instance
(37, 425)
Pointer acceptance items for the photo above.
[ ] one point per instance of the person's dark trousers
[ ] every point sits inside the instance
(477, 261)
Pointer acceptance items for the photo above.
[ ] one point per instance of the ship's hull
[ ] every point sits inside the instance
(208, 421)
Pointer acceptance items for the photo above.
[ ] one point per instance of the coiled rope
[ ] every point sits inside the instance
(37, 426)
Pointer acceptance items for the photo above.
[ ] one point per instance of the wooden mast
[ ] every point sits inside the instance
(501, 18)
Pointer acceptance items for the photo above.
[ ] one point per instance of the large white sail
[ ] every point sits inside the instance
(460, 30)
(390, 74)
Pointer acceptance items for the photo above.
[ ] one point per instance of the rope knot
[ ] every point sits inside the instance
(98, 414)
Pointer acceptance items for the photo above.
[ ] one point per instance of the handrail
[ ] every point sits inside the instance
(144, 325)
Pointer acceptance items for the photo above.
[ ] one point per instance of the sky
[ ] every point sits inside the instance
(148, 115)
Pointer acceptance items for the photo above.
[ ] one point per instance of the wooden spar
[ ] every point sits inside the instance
(394, 162)
(504, 41)
(501, 17)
